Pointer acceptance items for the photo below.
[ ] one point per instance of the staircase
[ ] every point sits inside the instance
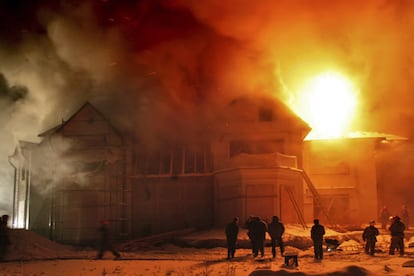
(296, 206)
(316, 197)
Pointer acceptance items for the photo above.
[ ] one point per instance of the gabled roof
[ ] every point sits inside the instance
(58, 128)
(281, 108)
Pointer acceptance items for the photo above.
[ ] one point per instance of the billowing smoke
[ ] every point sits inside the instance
(145, 63)
(10, 98)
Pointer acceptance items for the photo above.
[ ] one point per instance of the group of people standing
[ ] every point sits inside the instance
(257, 229)
(396, 229)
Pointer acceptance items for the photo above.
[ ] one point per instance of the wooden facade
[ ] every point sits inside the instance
(349, 179)
(85, 170)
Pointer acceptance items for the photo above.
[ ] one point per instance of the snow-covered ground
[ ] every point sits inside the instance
(31, 254)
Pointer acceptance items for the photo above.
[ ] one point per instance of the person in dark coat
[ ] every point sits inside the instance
(249, 231)
(232, 232)
(397, 229)
(385, 217)
(258, 233)
(4, 236)
(370, 237)
(276, 230)
(105, 241)
(317, 233)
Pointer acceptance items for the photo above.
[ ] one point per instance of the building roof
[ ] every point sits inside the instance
(58, 128)
(365, 135)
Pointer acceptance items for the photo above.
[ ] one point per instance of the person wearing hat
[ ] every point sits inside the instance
(276, 230)
(370, 237)
(397, 229)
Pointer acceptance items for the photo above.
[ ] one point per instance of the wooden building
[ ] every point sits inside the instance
(349, 175)
(84, 170)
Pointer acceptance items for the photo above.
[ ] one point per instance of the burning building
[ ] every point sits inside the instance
(349, 176)
(256, 162)
(251, 165)
(246, 156)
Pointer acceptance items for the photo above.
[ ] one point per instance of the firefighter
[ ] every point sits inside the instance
(317, 233)
(370, 237)
(249, 231)
(232, 231)
(397, 235)
(276, 230)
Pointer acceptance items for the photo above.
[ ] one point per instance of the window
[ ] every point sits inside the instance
(176, 160)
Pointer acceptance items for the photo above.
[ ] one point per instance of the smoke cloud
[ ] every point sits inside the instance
(145, 63)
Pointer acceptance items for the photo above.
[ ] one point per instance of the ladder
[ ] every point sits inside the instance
(296, 206)
(316, 197)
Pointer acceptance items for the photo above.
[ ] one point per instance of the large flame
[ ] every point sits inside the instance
(327, 103)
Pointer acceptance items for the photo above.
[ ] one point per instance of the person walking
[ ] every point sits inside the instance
(232, 232)
(384, 217)
(276, 230)
(370, 237)
(258, 232)
(317, 233)
(397, 229)
(105, 241)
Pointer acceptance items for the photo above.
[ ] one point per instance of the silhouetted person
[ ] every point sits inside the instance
(384, 217)
(249, 231)
(276, 230)
(405, 217)
(370, 237)
(232, 231)
(317, 233)
(105, 241)
(258, 233)
(4, 236)
(397, 235)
